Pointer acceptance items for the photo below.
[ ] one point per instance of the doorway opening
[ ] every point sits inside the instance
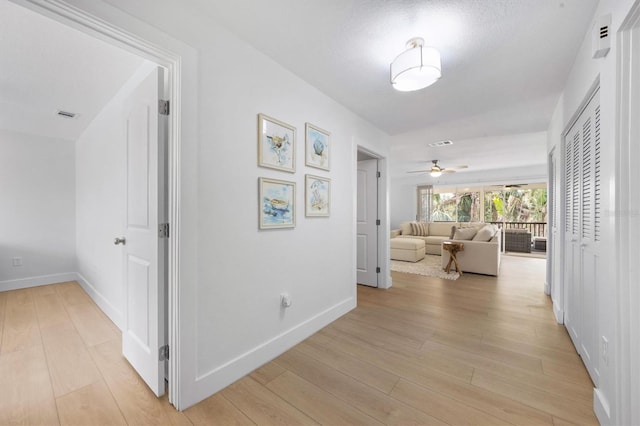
(372, 220)
(163, 309)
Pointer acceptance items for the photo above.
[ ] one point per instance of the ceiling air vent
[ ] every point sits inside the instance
(440, 143)
(66, 114)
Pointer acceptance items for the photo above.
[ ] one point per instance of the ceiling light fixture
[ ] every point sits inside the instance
(415, 68)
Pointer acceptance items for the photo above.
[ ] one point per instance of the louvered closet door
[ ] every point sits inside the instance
(572, 272)
(582, 232)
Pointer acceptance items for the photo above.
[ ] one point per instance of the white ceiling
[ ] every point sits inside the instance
(504, 65)
(46, 66)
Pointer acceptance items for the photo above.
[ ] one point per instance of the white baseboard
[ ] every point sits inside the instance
(388, 283)
(558, 312)
(114, 314)
(217, 379)
(547, 288)
(37, 281)
(601, 407)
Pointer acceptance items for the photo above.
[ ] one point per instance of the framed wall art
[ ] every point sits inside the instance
(317, 196)
(317, 147)
(277, 203)
(276, 144)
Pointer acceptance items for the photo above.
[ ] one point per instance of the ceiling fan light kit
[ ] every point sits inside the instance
(415, 68)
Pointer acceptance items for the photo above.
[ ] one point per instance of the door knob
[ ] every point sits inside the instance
(118, 240)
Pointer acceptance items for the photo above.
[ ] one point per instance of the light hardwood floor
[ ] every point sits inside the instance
(476, 351)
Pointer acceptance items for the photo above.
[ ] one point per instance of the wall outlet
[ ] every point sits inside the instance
(16, 261)
(605, 351)
(285, 300)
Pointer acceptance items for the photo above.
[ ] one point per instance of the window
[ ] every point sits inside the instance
(524, 204)
(456, 207)
(516, 205)
(425, 199)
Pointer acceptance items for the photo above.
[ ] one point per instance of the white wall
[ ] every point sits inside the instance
(100, 201)
(230, 316)
(585, 72)
(37, 210)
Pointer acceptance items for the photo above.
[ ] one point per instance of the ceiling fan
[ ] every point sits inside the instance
(509, 186)
(436, 170)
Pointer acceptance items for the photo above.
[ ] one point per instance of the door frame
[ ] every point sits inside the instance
(85, 22)
(384, 279)
(627, 230)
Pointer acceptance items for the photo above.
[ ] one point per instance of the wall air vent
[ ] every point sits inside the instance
(66, 114)
(440, 143)
(601, 40)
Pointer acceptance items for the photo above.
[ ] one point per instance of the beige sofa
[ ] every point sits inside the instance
(438, 232)
(480, 256)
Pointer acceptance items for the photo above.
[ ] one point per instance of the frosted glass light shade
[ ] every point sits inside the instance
(415, 68)
(435, 173)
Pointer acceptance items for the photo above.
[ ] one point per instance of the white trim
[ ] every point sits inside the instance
(37, 281)
(96, 27)
(222, 376)
(114, 314)
(627, 232)
(558, 312)
(601, 407)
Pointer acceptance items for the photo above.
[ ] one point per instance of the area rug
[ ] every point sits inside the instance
(429, 266)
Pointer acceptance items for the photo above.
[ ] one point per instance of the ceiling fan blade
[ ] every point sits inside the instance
(459, 167)
(419, 171)
(448, 171)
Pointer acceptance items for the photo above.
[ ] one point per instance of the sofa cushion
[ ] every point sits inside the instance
(407, 243)
(435, 239)
(485, 233)
(420, 228)
(440, 228)
(405, 228)
(465, 234)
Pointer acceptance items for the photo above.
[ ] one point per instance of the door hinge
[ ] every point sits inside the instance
(163, 107)
(378, 270)
(163, 353)
(163, 230)
(378, 174)
(378, 222)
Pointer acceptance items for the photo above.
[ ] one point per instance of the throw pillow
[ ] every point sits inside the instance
(420, 229)
(453, 232)
(464, 234)
(405, 228)
(485, 233)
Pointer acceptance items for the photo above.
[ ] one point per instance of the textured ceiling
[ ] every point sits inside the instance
(504, 62)
(46, 66)
(504, 65)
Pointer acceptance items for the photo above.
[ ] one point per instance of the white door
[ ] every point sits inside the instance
(572, 272)
(367, 215)
(582, 233)
(144, 331)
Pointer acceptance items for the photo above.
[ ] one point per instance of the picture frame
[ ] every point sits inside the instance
(276, 203)
(276, 144)
(317, 147)
(317, 196)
